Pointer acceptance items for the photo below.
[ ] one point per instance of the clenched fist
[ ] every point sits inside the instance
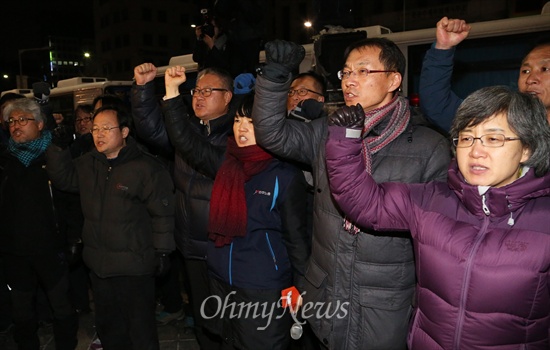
(145, 73)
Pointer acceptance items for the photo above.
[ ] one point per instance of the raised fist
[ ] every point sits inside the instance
(282, 58)
(352, 117)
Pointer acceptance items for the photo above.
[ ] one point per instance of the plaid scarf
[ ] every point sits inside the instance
(399, 116)
(29, 151)
(228, 211)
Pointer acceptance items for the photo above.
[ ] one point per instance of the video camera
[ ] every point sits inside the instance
(207, 28)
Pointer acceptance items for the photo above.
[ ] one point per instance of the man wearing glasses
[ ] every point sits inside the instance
(31, 244)
(209, 118)
(360, 284)
(83, 119)
(308, 85)
(128, 202)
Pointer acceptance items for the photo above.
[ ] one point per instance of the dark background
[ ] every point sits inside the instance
(25, 24)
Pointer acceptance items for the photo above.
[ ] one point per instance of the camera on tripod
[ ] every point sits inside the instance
(207, 28)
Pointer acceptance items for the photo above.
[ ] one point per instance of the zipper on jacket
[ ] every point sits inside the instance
(272, 252)
(230, 267)
(484, 205)
(109, 172)
(466, 283)
(351, 288)
(102, 195)
(53, 207)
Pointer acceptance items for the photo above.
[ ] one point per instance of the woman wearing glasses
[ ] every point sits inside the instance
(482, 240)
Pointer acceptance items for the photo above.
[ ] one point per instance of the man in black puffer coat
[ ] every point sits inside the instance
(127, 199)
(213, 122)
(31, 245)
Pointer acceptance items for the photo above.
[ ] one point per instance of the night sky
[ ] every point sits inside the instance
(27, 24)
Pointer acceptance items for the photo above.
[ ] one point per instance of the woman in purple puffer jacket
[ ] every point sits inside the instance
(482, 240)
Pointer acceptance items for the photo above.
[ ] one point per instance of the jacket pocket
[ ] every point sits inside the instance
(386, 299)
(315, 274)
(388, 312)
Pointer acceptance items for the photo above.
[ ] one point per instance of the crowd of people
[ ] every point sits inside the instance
(290, 226)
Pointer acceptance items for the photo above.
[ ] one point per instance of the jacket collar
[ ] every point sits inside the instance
(501, 201)
(128, 152)
(220, 125)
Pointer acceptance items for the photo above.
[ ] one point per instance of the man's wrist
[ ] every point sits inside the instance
(171, 93)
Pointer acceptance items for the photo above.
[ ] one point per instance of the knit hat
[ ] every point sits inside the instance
(244, 83)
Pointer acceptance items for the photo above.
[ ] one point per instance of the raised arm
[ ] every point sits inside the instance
(290, 139)
(146, 110)
(437, 101)
(190, 145)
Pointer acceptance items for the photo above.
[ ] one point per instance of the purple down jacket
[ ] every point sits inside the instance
(482, 261)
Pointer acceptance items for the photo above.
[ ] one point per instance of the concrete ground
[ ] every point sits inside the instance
(174, 336)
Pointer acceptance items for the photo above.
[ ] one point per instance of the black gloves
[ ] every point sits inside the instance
(163, 264)
(62, 136)
(282, 58)
(352, 117)
(41, 91)
(307, 110)
(74, 252)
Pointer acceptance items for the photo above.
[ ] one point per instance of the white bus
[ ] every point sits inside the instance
(491, 55)
(72, 92)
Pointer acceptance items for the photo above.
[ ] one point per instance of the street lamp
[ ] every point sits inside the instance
(22, 51)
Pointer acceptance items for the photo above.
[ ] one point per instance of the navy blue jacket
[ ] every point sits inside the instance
(276, 246)
(437, 101)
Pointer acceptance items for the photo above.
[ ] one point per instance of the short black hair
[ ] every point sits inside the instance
(84, 108)
(122, 115)
(320, 81)
(108, 99)
(390, 55)
(245, 105)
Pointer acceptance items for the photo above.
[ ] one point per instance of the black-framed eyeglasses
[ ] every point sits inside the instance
(489, 140)
(103, 129)
(361, 72)
(21, 121)
(302, 92)
(205, 92)
(83, 120)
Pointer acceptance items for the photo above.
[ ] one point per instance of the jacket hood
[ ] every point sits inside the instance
(501, 201)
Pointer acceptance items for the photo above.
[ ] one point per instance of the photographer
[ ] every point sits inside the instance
(210, 50)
